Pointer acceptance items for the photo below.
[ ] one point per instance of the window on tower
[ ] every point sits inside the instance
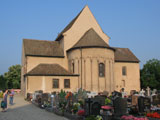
(101, 70)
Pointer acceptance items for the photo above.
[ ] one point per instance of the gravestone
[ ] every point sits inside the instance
(87, 106)
(148, 92)
(144, 104)
(134, 100)
(154, 92)
(92, 106)
(96, 107)
(156, 99)
(120, 106)
(100, 99)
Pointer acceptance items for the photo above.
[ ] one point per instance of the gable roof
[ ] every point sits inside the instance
(49, 70)
(125, 55)
(68, 26)
(90, 39)
(42, 48)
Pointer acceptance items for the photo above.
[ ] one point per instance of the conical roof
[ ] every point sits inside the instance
(91, 39)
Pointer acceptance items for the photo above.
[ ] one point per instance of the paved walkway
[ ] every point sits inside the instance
(23, 110)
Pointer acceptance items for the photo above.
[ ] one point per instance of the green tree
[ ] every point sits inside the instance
(150, 74)
(13, 77)
(2, 83)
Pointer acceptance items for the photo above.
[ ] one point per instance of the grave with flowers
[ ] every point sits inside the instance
(85, 105)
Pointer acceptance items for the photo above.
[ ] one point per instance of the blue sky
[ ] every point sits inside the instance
(133, 24)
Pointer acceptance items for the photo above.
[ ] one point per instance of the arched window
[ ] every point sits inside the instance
(101, 70)
(73, 67)
(124, 70)
(123, 83)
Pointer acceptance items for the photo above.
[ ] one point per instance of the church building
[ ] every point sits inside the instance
(80, 57)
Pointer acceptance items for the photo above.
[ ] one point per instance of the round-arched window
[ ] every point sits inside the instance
(101, 70)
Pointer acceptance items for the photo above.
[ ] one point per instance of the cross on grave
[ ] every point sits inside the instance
(142, 92)
(148, 91)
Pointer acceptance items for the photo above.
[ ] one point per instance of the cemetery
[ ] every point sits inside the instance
(85, 105)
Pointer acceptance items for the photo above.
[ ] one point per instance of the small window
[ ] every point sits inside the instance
(66, 83)
(101, 70)
(123, 83)
(55, 83)
(124, 70)
(73, 67)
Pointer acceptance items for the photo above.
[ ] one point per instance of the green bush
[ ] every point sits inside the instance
(1, 94)
(91, 118)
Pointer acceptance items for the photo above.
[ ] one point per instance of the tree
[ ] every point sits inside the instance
(13, 77)
(150, 74)
(2, 83)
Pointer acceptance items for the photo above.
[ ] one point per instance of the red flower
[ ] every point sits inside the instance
(81, 112)
(153, 115)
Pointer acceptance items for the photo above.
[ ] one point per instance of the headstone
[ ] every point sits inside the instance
(148, 91)
(147, 103)
(96, 107)
(144, 104)
(87, 106)
(156, 99)
(134, 100)
(120, 106)
(154, 92)
(100, 99)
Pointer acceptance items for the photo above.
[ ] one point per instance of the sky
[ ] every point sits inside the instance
(133, 24)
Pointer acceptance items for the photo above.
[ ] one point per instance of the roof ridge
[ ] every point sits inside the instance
(38, 40)
(84, 35)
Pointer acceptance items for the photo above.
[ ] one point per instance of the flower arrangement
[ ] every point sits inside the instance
(98, 117)
(81, 112)
(75, 107)
(92, 117)
(68, 95)
(153, 115)
(131, 117)
(107, 101)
